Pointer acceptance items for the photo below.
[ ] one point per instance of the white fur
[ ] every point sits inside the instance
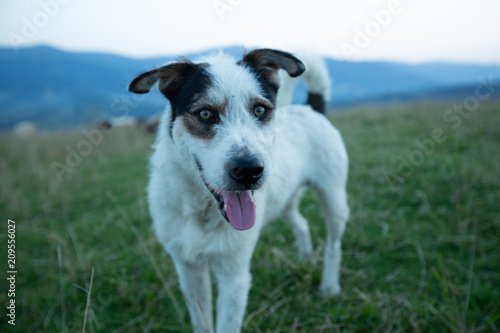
(299, 147)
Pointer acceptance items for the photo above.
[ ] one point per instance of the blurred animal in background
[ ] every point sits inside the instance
(118, 122)
(149, 124)
(228, 159)
(24, 129)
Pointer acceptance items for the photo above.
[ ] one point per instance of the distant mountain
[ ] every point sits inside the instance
(450, 95)
(355, 82)
(59, 89)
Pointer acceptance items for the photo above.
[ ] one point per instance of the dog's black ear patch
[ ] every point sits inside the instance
(267, 62)
(171, 78)
(144, 82)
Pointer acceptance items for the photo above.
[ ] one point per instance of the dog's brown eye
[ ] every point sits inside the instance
(260, 111)
(206, 115)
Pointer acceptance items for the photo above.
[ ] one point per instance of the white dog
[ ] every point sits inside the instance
(226, 162)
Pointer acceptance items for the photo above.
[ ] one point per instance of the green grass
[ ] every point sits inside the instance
(421, 250)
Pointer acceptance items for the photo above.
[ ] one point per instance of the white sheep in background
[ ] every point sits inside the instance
(24, 129)
(123, 121)
(118, 122)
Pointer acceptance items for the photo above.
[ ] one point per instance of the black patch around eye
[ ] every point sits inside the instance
(196, 84)
(214, 116)
(201, 129)
(268, 88)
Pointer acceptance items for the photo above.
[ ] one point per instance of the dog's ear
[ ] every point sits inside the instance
(267, 62)
(171, 77)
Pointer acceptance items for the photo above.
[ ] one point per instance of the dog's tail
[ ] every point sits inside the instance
(317, 81)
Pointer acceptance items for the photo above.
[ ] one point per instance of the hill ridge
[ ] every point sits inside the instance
(58, 89)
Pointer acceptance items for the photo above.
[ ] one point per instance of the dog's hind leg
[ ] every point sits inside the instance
(197, 289)
(299, 225)
(333, 201)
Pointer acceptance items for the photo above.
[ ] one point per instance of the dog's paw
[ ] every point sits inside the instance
(329, 290)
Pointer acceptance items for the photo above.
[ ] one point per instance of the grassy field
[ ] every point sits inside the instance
(421, 250)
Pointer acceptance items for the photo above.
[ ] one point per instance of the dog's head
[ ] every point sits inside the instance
(222, 120)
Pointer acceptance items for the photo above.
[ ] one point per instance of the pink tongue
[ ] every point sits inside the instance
(240, 209)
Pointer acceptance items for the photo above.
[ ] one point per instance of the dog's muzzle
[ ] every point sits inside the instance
(237, 205)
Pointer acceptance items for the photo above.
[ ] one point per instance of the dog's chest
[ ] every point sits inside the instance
(199, 208)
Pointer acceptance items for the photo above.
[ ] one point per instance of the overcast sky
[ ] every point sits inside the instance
(401, 30)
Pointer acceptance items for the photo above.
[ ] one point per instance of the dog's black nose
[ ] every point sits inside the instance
(246, 170)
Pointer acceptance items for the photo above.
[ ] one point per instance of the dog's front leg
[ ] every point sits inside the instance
(196, 286)
(233, 279)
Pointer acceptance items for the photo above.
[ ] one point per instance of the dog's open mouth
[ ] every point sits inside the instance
(238, 208)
